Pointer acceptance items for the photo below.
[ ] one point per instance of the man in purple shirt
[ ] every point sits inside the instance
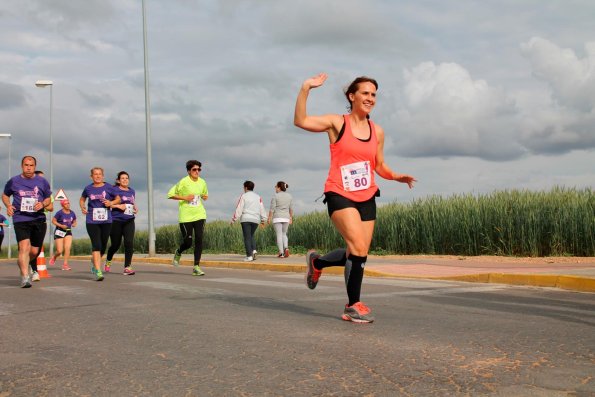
(31, 194)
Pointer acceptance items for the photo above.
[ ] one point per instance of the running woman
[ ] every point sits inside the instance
(123, 215)
(100, 197)
(281, 214)
(64, 220)
(357, 152)
(30, 196)
(190, 192)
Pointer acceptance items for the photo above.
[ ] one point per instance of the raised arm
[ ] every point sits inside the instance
(312, 123)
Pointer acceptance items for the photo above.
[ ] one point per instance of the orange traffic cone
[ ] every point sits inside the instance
(41, 267)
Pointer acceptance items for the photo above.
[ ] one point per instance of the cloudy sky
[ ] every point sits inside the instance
(474, 96)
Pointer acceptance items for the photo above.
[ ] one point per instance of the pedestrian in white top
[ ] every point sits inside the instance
(250, 211)
(281, 215)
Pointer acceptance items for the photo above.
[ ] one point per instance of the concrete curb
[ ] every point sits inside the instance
(568, 282)
(573, 283)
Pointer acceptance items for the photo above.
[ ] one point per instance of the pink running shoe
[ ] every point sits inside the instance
(358, 313)
(128, 271)
(66, 267)
(312, 274)
(52, 261)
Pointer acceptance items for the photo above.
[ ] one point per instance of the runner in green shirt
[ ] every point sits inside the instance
(190, 192)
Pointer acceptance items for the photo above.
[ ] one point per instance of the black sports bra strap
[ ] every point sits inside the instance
(341, 132)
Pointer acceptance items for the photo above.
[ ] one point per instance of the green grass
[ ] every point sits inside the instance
(559, 222)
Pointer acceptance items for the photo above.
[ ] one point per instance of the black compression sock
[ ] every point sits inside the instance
(354, 274)
(334, 258)
(33, 264)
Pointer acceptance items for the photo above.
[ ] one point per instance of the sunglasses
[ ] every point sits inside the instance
(195, 169)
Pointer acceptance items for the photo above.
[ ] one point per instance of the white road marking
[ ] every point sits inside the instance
(264, 283)
(426, 292)
(63, 289)
(6, 309)
(184, 288)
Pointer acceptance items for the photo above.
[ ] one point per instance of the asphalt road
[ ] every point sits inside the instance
(232, 332)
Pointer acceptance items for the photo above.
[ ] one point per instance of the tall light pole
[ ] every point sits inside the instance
(148, 139)
(43, 84)
(9, 136)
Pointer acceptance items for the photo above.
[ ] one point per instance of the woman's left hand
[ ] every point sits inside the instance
(404, 178)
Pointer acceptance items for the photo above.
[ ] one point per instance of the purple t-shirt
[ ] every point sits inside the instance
(65, 219)
(26, 192)
(97, 212)
(126, 197)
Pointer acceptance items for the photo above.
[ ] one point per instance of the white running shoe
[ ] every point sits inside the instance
(25, 282)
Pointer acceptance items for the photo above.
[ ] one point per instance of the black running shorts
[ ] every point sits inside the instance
(31, 230)
(366, 209)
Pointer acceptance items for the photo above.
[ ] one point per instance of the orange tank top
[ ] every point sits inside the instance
(353, 161)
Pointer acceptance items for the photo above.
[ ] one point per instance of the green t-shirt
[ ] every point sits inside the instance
(190, 211)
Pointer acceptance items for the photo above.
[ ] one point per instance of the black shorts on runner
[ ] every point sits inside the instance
(31, 230)
(366, 209)
(58, 233)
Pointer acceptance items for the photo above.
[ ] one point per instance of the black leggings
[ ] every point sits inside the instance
(248, 230)
(186, 229)
(99, 234)
(123, 229)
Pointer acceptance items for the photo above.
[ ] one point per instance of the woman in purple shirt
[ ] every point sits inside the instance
(64, 220)
(100, 197)
(123, 223)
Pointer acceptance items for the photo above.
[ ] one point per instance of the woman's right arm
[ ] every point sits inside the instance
(82, 205)
(312, 123)
(173, 194)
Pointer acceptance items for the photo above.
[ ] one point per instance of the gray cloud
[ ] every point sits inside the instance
(447, 113)
(455, 97)
(11, 95)
(571, 78)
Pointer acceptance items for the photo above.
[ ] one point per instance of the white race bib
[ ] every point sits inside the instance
(129, 209)
(356, 176)
(195, 201)
(60, 233)
(100, 214)
(27, 204)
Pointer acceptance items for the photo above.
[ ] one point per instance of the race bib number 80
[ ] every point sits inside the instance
(356, 176)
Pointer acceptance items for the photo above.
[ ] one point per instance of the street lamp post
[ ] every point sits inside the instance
(43, 84)
(9, 136)
(151, 213)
